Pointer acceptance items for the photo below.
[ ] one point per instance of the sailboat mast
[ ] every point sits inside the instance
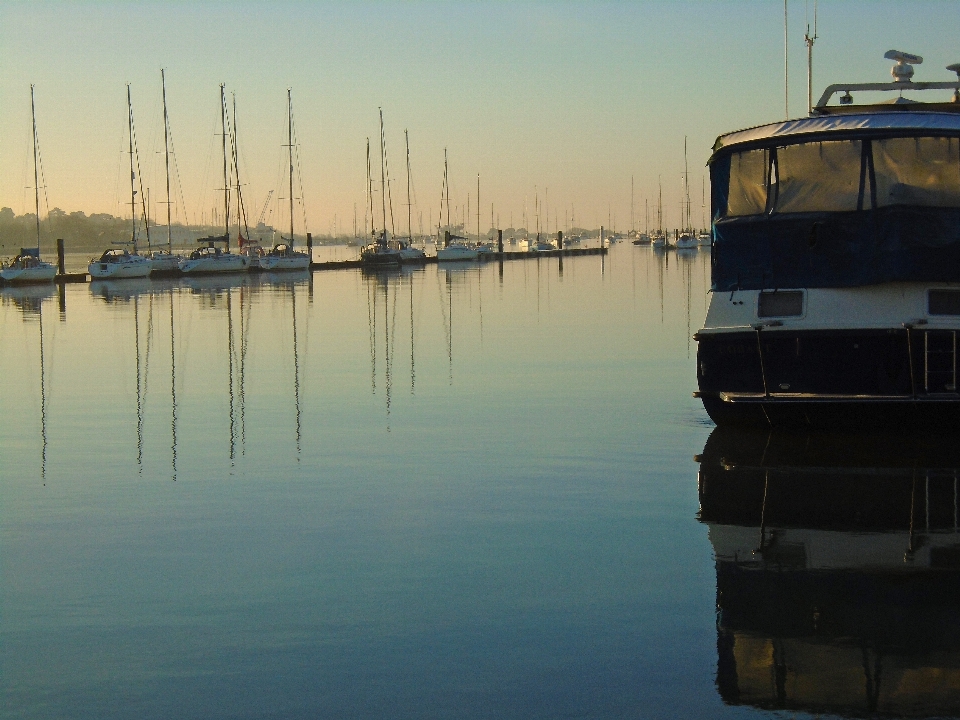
(383, 177)
(632, 223)
(241, 210)
(406, 137)
(369, 195)
(446, 184)
(686, 181)
(133, 176)
(478, 207)
(36, 168)
(290, 141)
(660, 207)
(226, 179)
(166, 148)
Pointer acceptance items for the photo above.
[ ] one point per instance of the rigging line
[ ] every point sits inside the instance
(296, 150)
(232, 125)
(143, 197)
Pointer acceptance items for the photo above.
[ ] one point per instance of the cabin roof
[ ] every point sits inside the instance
(853, 124)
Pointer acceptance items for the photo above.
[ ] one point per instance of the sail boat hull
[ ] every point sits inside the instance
(134, 266)
(40, 273)
(222, 263)
(292, 261)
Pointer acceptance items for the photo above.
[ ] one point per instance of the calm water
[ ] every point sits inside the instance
(442, 492)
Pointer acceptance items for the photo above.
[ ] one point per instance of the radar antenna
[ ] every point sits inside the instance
(903, 71)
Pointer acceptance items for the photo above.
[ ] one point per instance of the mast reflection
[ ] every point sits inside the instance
(838, 571)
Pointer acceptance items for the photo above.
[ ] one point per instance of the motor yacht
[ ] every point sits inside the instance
(835, 272)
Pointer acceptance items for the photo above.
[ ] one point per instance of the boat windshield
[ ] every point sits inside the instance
(843, 175)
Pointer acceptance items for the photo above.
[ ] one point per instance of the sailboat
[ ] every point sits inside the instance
(27, 267)
(283, 256)
(704, 237)
(686, 239)
(378, 252)
(117, 263)
(409, 253)
(165, 263)
(210, 258)
(453, 250)
(659, 237)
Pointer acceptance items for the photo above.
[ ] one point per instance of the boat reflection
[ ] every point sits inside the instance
(27, 298)
(838, 571)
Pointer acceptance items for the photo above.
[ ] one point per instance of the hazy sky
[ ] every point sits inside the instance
(570, 99)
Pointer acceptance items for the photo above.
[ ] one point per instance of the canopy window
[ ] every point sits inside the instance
(917, 171)
(748, 183)
(818, 177)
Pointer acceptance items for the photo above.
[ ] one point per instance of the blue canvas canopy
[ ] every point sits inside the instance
(837, 202)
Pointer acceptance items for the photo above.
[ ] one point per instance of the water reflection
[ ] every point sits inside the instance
(387, 290)
(838, 571)
(26, 298)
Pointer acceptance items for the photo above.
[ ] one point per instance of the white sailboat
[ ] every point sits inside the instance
(378, 253)
(283, 256)
(452, 248)
(409, 253)
(211, 258)
(686, 240)
(116, 263)
(27, 267)
(165, 263)
(659, 237)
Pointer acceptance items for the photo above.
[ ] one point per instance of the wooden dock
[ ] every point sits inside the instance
(63, 278)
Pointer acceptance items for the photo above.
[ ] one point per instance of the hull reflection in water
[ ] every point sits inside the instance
(838, 571)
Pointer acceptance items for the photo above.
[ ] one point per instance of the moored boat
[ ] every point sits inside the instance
(115, 263)
(284, 257)
(836, 264)
(119, 263)
(210, 259)
(27, 268)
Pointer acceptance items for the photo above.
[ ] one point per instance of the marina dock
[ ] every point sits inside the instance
(82, 277)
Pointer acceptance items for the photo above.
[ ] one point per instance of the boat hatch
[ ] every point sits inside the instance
(943, 302)
(787, 303)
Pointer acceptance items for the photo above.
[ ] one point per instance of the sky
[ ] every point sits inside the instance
(565, 104)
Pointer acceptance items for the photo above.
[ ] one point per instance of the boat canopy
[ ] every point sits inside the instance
(836, 125)
(837, 202)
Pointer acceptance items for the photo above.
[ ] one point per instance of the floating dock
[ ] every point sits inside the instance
(64, 277)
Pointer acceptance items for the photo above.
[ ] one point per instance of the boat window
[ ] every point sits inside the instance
(748, 186)
(780, 304)
(918, 171)
(818, 177)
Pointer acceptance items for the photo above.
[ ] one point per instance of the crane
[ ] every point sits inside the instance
(263, 211)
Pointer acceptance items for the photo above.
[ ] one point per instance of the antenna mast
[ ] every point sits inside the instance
(786, 93)
(810, 40)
